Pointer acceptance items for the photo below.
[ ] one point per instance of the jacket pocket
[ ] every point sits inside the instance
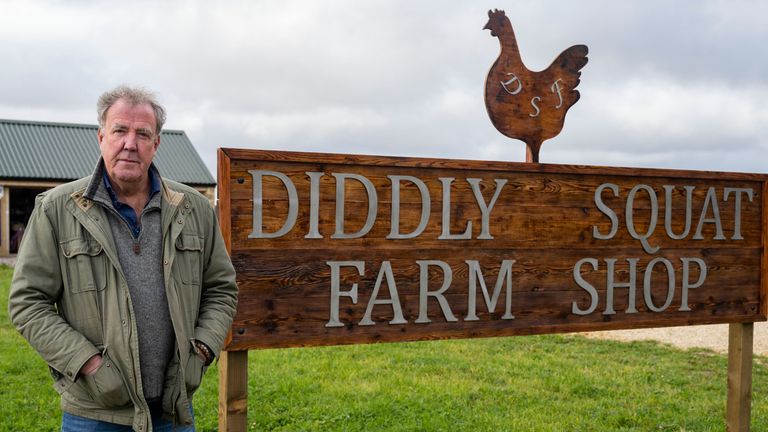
(189, 256)
(193, 373)
(106, 385)
(60, 383)
(84, 278)
(85, 268)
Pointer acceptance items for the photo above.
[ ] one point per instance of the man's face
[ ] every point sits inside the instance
(128, 143)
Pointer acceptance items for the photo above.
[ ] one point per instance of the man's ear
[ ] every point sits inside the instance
(157, 142)
(99, 135)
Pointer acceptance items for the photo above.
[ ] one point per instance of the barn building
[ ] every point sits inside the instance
(36, 156)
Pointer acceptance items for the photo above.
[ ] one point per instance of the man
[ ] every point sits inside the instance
(123, 283)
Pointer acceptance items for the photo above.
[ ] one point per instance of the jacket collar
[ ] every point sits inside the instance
(96, 191)
(154, 186)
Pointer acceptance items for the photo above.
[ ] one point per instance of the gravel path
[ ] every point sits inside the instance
(714, 337)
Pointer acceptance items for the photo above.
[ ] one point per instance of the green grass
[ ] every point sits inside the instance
(536, 383)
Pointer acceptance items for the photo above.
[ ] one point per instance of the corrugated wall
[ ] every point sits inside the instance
(61, 151)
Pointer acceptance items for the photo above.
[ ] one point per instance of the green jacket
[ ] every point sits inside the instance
(69, 298)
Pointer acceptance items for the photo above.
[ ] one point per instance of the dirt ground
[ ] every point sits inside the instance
(714, 337)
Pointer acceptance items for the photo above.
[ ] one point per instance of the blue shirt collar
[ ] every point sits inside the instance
(154, 184)
(126, 211)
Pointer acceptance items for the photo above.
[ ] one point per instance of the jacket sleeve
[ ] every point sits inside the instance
(219, 290)
(35, 288)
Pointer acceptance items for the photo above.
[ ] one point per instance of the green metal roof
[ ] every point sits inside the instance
(63, 151)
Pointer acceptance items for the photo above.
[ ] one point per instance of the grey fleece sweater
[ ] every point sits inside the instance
(142, 262)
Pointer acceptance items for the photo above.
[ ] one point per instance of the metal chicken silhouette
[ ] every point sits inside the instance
(527, 105)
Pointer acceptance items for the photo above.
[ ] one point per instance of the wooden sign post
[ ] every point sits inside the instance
(341, 249)
(739, 402)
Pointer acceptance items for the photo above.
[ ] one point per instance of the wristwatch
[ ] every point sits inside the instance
(203, 351)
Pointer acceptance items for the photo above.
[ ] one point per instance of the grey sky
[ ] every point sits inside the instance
(679, 84)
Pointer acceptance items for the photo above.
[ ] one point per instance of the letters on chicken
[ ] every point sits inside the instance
(524, 104)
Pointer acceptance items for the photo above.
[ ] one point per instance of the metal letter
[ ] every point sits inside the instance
(668, 211)
(514, 78)
(686, 282)
(647, 284)
(711, 199)
(575, 309)
(556, 89)
(258, 204)
(341, 179)
(476, 274)
(606, 211)
(654, 217)
(394, 299)
(426, 204)
(533, 104)
(485, 210)
(336, 291)
(737, 217)
(446, 234)
(611, 284)
(314, 205)
(424, 290)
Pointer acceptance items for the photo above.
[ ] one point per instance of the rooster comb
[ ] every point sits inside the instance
(496, 12)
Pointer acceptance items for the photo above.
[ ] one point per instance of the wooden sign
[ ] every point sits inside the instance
(340, 249)
(524, 104)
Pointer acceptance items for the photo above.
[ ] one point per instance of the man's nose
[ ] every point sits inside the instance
(130, 142)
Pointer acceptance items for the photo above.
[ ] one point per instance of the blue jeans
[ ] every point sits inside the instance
(73, 423)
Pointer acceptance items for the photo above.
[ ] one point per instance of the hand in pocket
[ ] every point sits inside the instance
(106, 385)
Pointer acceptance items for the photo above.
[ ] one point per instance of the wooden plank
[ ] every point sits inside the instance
(5, 223)
(224, 207)
(280, 156)
(233, 365)
(557, 228)
(530, 206)
(233, 391)
(764, 266)
(224, 202)
(738, 409)
(25, 184)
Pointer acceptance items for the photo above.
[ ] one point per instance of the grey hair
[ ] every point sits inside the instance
(134, 96)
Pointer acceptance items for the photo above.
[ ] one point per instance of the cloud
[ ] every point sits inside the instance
(668, 84)
(650, 107)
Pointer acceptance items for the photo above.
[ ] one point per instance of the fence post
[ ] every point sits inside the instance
(738, 409)
(233, 391)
